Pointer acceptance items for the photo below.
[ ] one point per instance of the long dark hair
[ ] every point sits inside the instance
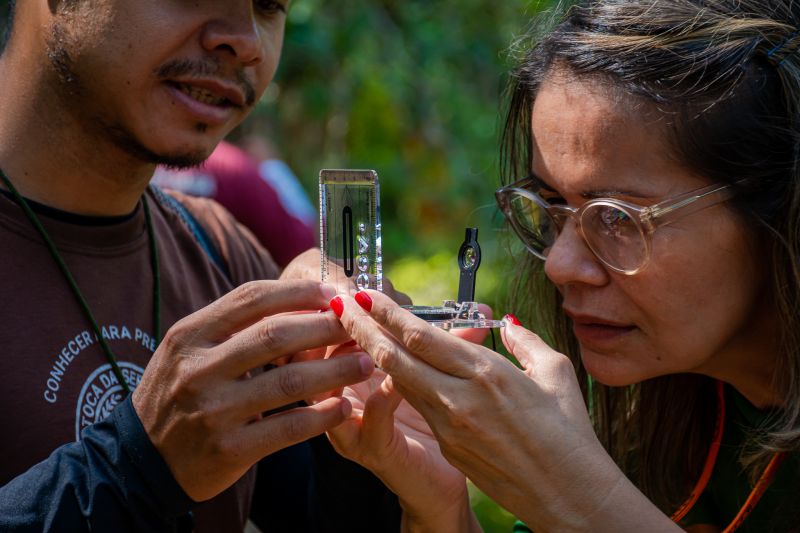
(7, 23)
(726, 80)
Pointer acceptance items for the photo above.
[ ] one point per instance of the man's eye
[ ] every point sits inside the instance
(270, 6)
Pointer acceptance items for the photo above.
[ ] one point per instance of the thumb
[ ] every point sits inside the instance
(522, 343)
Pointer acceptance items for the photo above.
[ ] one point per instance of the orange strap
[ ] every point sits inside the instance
(711, 459)
(755, 495)
(767, 476)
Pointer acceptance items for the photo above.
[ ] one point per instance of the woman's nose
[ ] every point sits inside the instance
(571, 261)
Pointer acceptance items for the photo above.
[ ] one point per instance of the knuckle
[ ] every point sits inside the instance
(418, 338)
(383, 314)
(291, 382)
(563, 364)
(330, 325)
(268, 335)
(488, 376)
(206, 424)
(384, 353)
(227, 448)
(248, 293)
(295, 428)
(185, 391)
(175, 339)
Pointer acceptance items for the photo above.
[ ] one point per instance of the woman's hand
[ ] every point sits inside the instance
(390, 438)
(522, 435)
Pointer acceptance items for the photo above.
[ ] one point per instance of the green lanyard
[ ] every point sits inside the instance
(74, 286)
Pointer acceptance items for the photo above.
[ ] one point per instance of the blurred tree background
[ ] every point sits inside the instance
(412, 89)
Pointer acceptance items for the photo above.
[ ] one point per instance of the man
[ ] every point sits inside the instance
(96, 94)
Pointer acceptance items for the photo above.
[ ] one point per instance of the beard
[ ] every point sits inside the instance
(74, 94)
(128, 143)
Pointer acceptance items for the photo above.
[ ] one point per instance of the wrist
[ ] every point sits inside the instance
(458, 518)
(602, 499)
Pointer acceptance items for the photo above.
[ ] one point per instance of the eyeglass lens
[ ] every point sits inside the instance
(612, 233)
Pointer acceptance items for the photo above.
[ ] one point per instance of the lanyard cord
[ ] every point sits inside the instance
(154, 265)
(767, 476)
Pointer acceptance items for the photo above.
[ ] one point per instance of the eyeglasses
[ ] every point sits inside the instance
(618, 233)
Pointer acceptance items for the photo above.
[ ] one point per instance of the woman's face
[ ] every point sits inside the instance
(698, 306)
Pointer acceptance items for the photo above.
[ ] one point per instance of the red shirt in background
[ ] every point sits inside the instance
(280, 219)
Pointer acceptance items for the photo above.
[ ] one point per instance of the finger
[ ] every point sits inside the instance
(275, 337)
(350, 346)
(337, 351)
(283, 429)
(388, 354)
(436, 347)
(378, 417)
(523, 344)
(297, 381)
(303, 266)
(382, 403)
(312, 354)
(250, 303)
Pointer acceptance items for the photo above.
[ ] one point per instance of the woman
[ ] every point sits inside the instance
(653, 147)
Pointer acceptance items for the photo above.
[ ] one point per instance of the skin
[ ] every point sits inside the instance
(524, 436)
(90, 108)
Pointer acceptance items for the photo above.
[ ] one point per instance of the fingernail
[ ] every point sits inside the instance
(364, 301)
(328, 291)
(337, 305)
(349, 344)
(366, 364)
(511, 318)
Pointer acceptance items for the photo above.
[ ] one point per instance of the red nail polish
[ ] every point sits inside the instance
(337, 305)
(364, 301)
(349, 344)
(514, 320)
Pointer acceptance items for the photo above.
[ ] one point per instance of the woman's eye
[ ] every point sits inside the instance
(551, 198)
(614, 220)
(270, 6)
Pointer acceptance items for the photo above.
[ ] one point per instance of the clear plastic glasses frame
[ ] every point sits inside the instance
(546, 221)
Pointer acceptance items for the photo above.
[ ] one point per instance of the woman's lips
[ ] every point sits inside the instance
(595, 333)
(592, 329)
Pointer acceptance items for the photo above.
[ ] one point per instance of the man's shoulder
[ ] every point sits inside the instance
(242, 254)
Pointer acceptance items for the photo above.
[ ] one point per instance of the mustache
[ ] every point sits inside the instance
(208, 67)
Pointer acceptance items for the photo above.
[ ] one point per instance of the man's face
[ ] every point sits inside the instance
(165, 80)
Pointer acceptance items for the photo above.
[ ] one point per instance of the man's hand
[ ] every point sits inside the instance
(203, 393)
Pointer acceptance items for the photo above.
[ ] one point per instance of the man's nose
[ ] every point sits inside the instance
(235, 30)
(571, 261)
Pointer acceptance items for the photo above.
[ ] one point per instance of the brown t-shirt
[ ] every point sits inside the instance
(55, 378)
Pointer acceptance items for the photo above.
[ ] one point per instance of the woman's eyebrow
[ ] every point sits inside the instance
(610, 193)
(592, 194)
